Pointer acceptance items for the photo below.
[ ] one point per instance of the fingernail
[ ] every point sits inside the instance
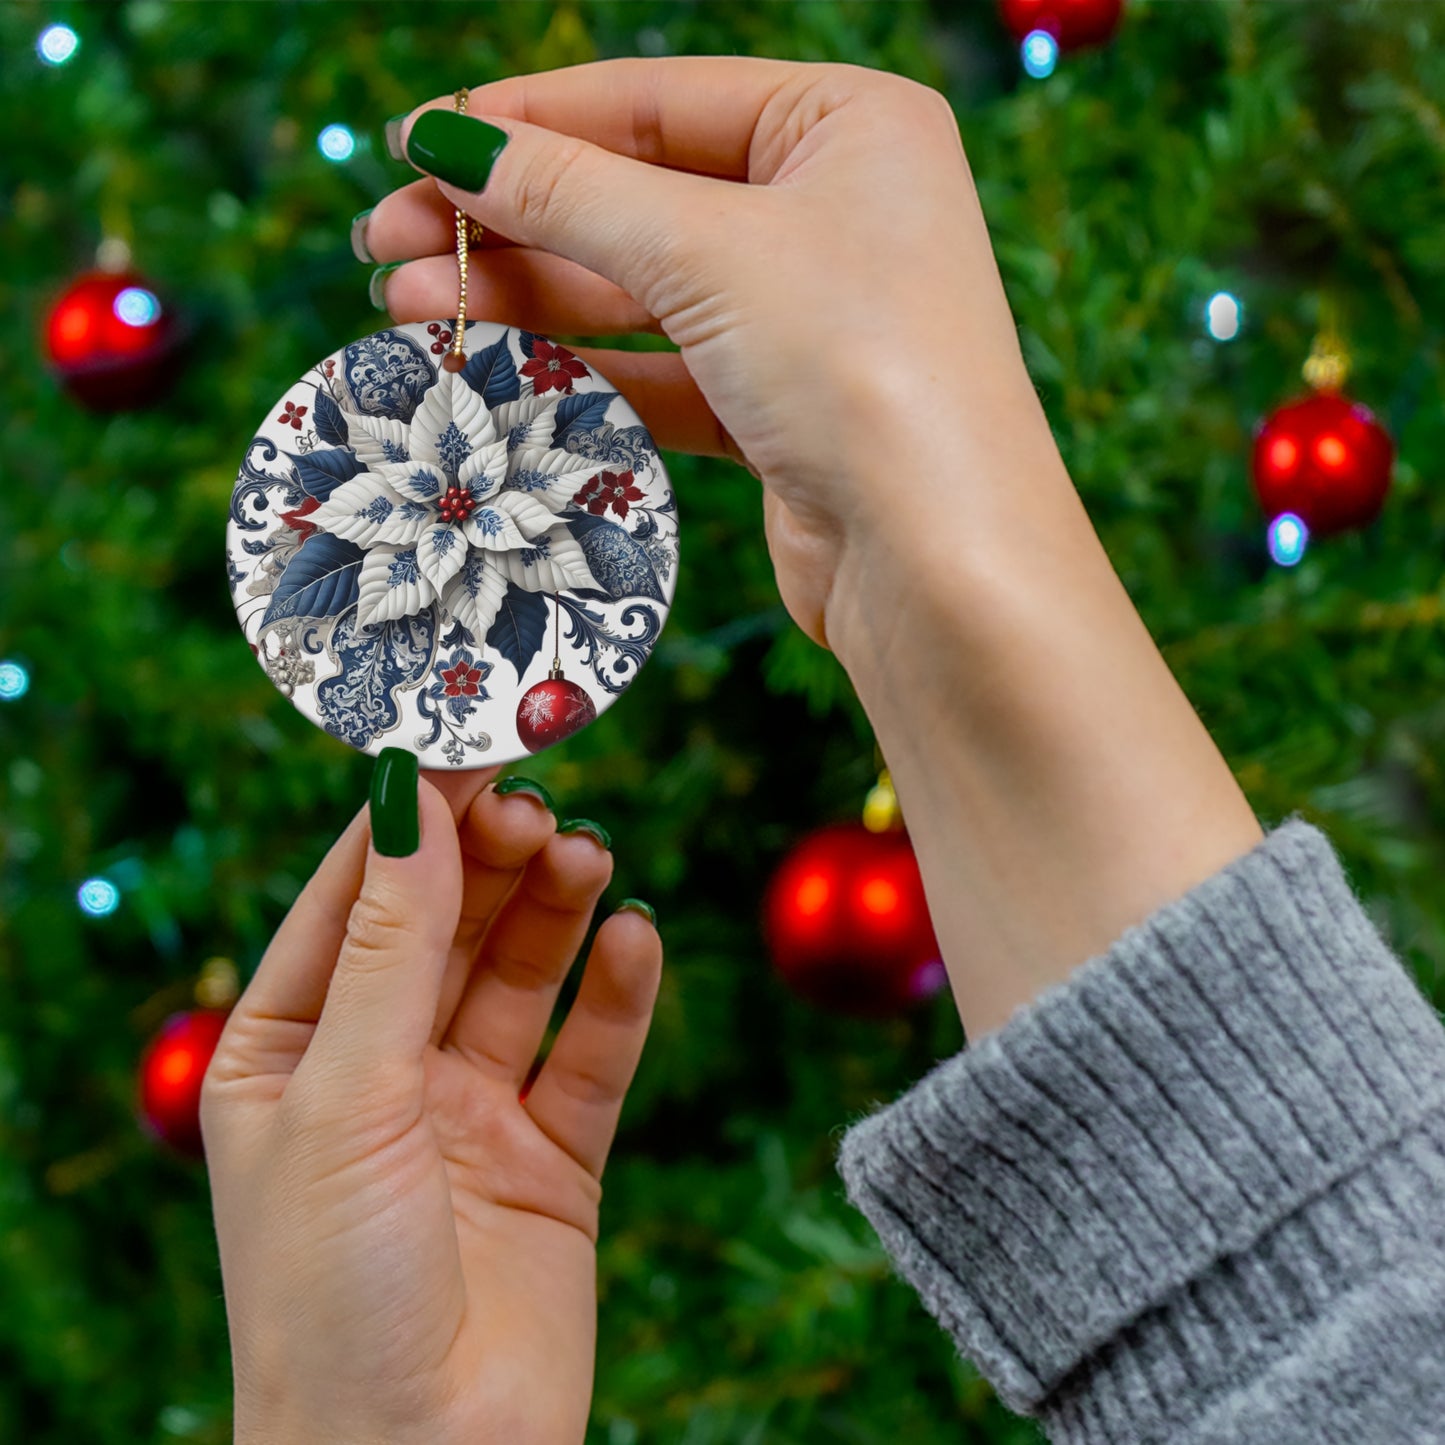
(636, 905)
(455, 148)
(395, 814)
(376, 288)
(586, 825)
(393, 136)
(527, 786)
(359, 248)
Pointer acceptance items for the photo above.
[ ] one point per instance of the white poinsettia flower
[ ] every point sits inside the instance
(458, 502)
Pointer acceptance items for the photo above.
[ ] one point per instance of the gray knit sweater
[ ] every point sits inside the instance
(1197, 1191)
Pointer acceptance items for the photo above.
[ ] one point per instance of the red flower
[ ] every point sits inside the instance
(293, 414)
(553, 367)
(609, 489)
(293, 519)
(462, 680)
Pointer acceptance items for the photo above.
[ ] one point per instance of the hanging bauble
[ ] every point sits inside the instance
(1072, 23)
(112, 341)
(1326, 459)
(171, 1071)
(551, 710)
(847, 923)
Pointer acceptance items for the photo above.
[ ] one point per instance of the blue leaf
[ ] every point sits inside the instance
(493, 373)
(618, 562)
(321, 580)
(580, 412)
(525, 339)
(321, 472)
(330, 424)
(520, 627)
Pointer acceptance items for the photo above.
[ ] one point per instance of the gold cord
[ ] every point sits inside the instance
(467, 231)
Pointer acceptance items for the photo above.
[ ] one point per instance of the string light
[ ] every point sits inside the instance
(14, 681)
(336, 143)
(98, 897)
(1040, 53)
(57, 44)
(1223, 316)
(137, 307)
(1288, 537)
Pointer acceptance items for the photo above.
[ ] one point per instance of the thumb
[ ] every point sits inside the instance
(382, 1000)
(638, 225)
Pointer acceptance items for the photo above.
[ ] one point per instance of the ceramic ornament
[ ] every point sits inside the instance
(470, 564)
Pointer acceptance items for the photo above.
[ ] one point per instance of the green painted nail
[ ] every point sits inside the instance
(636, 905)
(359, 248)
(586, 825)
(395, 820)
(376, 289)
(455, 148)
(393, 136)
(531, 789)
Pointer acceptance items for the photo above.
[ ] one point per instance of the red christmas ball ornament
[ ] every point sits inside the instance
(552, 710)
(111, 341)
(847, 923)
(1073, 23)
(1324, 458)
(171, 1071)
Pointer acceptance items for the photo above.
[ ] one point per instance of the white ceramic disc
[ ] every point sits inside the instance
(410, 547)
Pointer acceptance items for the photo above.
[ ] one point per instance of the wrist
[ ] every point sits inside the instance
(1057, 784)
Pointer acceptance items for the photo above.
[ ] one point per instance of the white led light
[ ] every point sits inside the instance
(137, 307)
(57, 44)
(336, 143)
(98, 897)
(14, 681)
(1040, 52)
(1223, 316)
(1288, 537)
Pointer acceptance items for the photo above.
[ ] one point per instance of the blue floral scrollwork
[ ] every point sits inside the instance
(373, 663)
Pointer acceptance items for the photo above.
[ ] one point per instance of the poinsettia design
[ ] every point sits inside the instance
(456, 503)
(609, 489)
(463, 678)
(553, 367)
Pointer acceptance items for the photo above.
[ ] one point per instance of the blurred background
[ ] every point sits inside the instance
(1188, 206)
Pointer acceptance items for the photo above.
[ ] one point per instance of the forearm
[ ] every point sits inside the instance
(1056, 782)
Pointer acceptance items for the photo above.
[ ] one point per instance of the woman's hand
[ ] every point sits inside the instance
(836, 315)
(810, 237)
(407, 1246)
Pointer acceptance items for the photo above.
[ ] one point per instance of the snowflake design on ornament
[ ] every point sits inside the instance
(536, 709)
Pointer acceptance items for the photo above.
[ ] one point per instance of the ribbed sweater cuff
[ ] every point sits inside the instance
(1144, 1163)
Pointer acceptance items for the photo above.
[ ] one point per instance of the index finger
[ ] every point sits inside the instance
(695, 113)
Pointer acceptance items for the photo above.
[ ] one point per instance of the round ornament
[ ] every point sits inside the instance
(111, 341)
(172, 1070)
(1324, 458)
(1072, 23)
(847, 923)
(421, 542)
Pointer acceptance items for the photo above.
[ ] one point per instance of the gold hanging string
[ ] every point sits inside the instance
(468, 232)
(1328, 366)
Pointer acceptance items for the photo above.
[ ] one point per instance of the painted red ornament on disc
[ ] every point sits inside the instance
(551, 710)
(1324, 458)
(111, 341)
(1073, 23)
(847, 923)
(171, 1071)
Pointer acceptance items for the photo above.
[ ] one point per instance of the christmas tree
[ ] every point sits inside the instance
(162, 804)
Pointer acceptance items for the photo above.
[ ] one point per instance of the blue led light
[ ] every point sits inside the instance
(137, 307)
(1288, 537)
(14, 681)
(1040, 52)
(57, 44)
(336, 143)
(1223, 316)
(98, 897)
